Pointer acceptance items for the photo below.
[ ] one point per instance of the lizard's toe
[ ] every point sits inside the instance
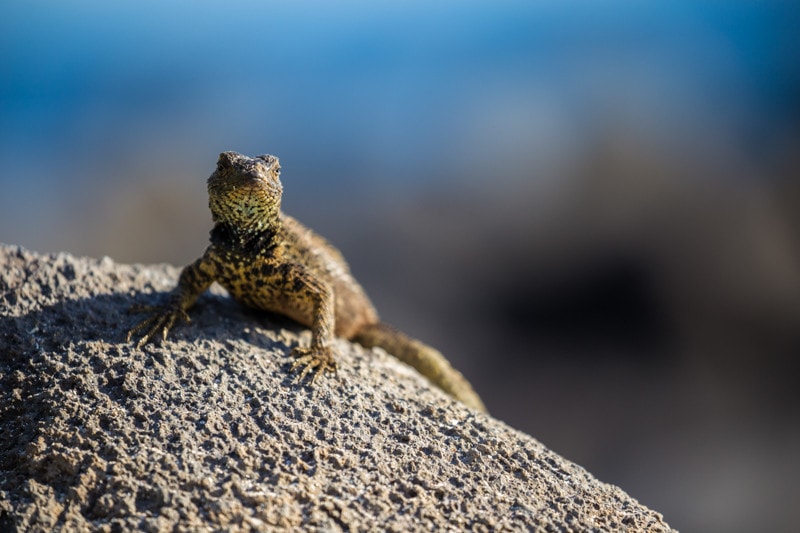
(314, 361)
(161, 321)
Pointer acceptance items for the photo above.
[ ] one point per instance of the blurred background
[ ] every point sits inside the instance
(592, 208)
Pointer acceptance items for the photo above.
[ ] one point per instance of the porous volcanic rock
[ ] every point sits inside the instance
(208, 430)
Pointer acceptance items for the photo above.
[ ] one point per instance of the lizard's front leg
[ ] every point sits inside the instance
(304, 290)
(193, 281)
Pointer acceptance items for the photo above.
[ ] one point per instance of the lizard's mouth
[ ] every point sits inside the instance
(260, 185)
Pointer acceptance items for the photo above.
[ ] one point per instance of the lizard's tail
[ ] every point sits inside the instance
(428, 361)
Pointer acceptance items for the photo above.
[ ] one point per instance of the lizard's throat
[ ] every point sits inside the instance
(246, 219)
(245, 210)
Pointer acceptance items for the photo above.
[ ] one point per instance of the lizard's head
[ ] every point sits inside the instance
(245, 192)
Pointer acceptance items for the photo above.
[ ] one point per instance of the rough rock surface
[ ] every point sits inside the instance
(208, 431)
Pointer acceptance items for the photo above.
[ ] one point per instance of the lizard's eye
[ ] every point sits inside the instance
(224, 160)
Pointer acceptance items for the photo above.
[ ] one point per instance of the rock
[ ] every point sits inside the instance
(209, 431)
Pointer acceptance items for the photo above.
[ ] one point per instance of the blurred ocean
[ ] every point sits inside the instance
(592, 208)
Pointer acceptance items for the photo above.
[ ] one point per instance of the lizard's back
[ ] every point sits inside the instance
(302, 246)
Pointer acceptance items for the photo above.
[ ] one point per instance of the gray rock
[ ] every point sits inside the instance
(208, 430)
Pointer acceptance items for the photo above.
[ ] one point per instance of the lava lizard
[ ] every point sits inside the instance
(268, 260)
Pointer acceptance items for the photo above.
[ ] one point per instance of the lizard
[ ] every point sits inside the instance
(268, 260)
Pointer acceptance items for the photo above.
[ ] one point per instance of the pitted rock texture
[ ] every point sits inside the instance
(208, 431)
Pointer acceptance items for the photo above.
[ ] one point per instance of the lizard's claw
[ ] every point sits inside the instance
(162, 320)
(314, 361)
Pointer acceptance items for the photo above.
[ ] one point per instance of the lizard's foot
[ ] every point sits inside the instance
(162, 319)
(314, 361)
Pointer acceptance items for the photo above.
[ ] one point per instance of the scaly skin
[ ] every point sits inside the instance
(268, 260)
